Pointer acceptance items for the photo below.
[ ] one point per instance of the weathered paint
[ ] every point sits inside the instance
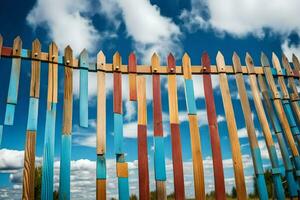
(190, 98)
(83, 91)
(9, 114)
(159, 159)
(259, 171)
(213, 130)
(101, 167)
(33, 114)
(118, 133)
(123, 187)
(48, 157)
(65, 167)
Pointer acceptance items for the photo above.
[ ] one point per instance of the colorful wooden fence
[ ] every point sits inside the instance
(278, 106)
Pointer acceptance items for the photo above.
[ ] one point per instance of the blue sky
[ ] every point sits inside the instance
(143, 27)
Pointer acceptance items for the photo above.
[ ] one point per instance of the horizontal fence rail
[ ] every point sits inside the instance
(273, 90)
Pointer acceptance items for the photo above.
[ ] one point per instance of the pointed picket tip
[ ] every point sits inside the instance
(83, 53)
(248, 59)
(68, 48)
(101, 60)
(275, 61)
(186, 57)
(235, 57)
(154, 57)
(220, 59)
(171, 57)
(264, 60)
(36, 49)
(132, 56)
(101, 55)
(116, 55)
(171, 63)
(17, 39)
(53, 46)
(36, 42)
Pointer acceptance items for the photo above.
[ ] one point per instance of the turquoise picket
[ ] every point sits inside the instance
(65, 166)
(83, 92)
(48, 158)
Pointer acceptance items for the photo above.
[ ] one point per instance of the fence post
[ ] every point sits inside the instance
(274, 121)
(29, 153)
(12, 96)
(101, 128)
(122, 166)
(132, 77)
(159, 153)
(199, 184)
(83, 91)
(213, 129)
(48, 157)
(175, 130)
(144, 192)
(294, 96)
(255, 151)
(232, 129)
(66, 140)
(275, 96)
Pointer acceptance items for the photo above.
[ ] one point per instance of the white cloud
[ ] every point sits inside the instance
(66, 22)
(254, 17)
(150, 31)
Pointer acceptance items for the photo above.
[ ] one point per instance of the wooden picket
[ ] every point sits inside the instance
(232, 129)
(49, 141)
(175, 130)
(29, 155)
(256, 155)
(274, 122)
(159, 154)
(279, 106)
(213, 129)
(101, 130)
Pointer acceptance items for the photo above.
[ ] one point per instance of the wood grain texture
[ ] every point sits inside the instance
(52, 75)
(177, 162)
(232, 130)
(132, 77)
(142, 101)
(269, 76)
(68, 92)
(245, 102)
(280, 77)
(296, 62)
(101, 189)
(29, 166)
(161, 193)
(213, 130)
(122, 169)
(101, 106)
(17, 47)
(186, 65)
(117, 83)
(143, 169)
(173, 100)
(35, 69)
(171, 64)
(198, 170)
(281, 115)
(157, 106)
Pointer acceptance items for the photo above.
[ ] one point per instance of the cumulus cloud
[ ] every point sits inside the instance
(237, 18)
(66, 22)
(83, 176)
(150, 33)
